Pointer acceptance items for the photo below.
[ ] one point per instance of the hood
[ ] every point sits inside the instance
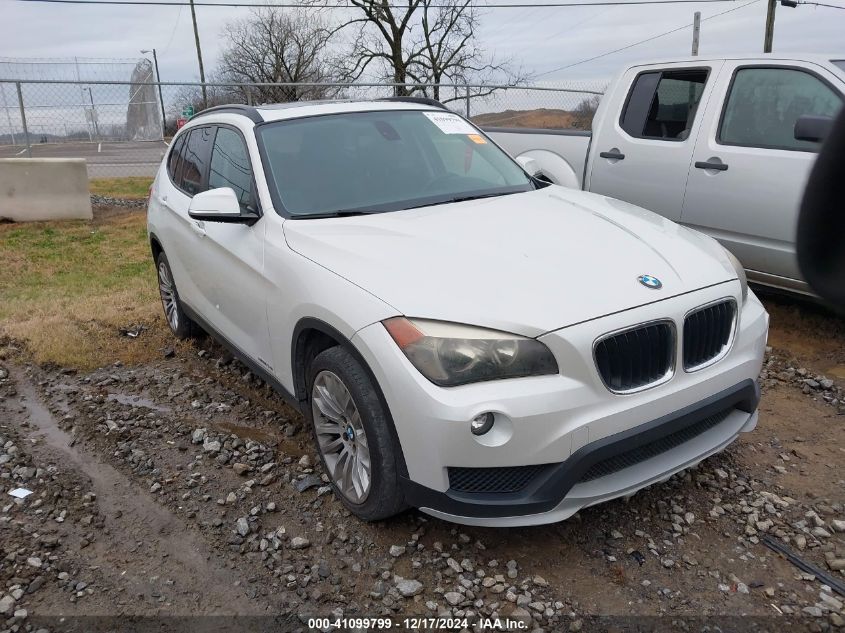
(523, 263)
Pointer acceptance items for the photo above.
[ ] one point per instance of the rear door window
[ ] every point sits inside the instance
(663, 104)
(193, 177)
(764, 103)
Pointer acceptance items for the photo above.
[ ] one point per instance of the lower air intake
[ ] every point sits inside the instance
(647, 451)
(494, 480)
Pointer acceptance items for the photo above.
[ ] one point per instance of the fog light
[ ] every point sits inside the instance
(481, 423)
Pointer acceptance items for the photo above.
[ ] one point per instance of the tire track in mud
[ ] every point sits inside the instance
(158, 545)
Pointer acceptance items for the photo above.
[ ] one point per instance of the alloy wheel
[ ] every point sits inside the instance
(341, 437)
(168, 296)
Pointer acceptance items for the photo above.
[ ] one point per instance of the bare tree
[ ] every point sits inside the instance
(274, 45)
(450, 52)
(383, 39)
(585, 111)
(425, 41)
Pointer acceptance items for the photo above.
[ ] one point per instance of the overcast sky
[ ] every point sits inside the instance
(540, 39)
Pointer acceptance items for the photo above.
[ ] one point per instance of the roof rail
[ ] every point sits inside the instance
(234, 108)
(418, 100)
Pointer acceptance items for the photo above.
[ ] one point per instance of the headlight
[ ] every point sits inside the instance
(740, 273)
(450, 354)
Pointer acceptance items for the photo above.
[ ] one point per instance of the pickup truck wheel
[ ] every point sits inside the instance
(180, 324)
(353, 437)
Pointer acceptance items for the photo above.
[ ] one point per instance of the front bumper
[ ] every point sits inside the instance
(565, 424)
(562, 489)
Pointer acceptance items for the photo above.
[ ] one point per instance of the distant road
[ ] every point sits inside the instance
(105, 160)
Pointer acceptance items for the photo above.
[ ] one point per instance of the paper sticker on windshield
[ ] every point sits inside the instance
(477, 138)
(450, 123)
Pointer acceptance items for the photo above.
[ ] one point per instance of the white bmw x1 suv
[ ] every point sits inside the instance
(463, 338)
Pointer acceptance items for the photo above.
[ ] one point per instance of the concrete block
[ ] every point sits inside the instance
(36, 189)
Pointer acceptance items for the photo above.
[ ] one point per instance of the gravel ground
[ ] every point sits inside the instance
(186, 487)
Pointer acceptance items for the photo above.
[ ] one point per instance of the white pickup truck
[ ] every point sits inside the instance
(723, 145)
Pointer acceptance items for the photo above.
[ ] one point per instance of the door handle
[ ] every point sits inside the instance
(710, 164)
(198, 226)
(613, 154)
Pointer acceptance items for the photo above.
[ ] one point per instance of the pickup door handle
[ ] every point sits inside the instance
(710, 165)
(613, 155)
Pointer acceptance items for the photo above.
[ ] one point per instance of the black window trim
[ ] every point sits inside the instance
(186, 134)
(255, 197)
(179, 139)
(726, 98)
(707, 70)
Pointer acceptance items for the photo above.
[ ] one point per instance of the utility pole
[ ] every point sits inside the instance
(696, 30)
(199, 54)
(770, 27)
(160, 98)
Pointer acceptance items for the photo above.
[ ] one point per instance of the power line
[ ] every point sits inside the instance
(648, 39)
(173, 32)
(822, 4)
(349, 5)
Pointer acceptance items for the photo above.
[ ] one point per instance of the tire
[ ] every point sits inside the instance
(180, 324)
(366, 435)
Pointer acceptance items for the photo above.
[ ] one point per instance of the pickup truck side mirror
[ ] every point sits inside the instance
(219, 205)
(533, 168)
(812, 128)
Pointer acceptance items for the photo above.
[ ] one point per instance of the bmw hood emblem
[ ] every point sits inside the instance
(650, 281)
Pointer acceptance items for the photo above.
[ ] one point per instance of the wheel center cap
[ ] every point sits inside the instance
(350, 433)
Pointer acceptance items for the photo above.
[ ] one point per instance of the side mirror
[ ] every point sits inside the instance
(219, 205)
(530, 165)
(812, 128)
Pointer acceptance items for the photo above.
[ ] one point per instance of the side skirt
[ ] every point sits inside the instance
(254, 367)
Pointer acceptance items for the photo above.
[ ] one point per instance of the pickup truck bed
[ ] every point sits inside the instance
(562, 151)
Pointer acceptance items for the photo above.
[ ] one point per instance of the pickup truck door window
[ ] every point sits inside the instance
(749, 171)
(662, 105)
(764, 104)
(644, 157)
(232, 255)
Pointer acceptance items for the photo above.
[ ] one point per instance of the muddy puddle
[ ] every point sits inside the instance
(277, 440)
(133, 400)
(161, 540)
(251, 433)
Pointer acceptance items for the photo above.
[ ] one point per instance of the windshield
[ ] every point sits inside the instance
(840, 63)
(383, 161)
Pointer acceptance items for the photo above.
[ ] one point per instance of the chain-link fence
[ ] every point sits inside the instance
(122, 128)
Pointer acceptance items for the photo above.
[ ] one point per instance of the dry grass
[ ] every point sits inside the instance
(546, 118)
(130, 188)
(66, 290)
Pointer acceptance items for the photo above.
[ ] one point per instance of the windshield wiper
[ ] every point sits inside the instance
(466, 198)
(340, 213)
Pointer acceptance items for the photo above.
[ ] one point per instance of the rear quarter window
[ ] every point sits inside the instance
(174, 158)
